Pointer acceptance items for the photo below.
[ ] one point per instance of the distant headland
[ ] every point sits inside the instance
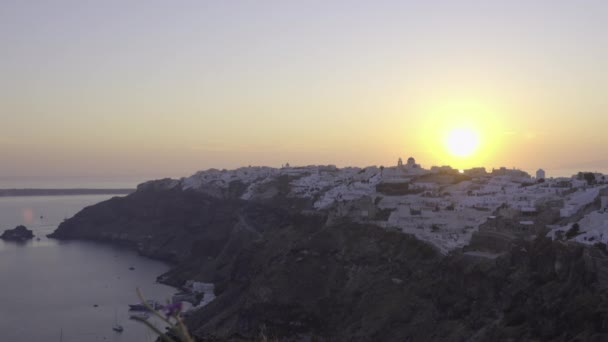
(62, 192)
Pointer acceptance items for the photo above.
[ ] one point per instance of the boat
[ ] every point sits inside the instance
(117, 327)
(139, 315)
(143, 307)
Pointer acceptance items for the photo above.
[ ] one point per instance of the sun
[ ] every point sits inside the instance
(462, 142)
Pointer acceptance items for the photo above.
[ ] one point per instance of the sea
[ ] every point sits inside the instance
(69, 291)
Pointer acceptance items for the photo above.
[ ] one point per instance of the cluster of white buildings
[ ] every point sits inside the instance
(442, 205)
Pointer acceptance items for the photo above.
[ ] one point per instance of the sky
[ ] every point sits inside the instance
(148, 89)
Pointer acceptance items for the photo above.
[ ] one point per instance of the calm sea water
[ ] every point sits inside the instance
(48, 288)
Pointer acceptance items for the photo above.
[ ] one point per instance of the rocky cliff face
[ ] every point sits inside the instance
(160, 221)
(283, 270)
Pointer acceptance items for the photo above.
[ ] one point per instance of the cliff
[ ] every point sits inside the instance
(282, 269)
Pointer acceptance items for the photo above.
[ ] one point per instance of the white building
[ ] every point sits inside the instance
(540, 174)
(411, 163)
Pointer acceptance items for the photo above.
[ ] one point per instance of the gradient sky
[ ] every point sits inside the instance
(165, 88)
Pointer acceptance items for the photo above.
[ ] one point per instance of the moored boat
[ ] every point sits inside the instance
(139, 315)
(150, 304)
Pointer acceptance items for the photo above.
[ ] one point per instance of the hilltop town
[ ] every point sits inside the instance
(417, 254)
(446, 207)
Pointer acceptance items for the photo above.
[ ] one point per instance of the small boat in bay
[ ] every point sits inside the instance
(143, 307)
(117, 327)
(139, 315)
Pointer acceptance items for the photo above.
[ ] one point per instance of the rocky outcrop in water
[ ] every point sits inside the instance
(282, 270)
(19, 233)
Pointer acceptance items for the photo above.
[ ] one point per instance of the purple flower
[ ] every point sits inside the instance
(173, 309)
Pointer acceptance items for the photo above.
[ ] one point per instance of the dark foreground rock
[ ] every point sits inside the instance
(19, 233)
(296, 279)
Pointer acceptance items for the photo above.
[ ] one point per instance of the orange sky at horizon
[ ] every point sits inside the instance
(150, 89)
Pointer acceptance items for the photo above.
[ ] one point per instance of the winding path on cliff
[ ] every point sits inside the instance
(242, 223)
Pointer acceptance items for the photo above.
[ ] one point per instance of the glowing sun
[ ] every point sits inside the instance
(462, 142)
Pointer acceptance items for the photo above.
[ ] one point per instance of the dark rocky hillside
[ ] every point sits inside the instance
(281, 269)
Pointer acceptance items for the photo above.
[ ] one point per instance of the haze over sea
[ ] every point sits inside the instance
(49, 287)
(71, 182)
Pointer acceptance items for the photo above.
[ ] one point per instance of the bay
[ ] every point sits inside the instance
(69, 290)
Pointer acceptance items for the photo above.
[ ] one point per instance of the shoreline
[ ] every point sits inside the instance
(128, 246)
